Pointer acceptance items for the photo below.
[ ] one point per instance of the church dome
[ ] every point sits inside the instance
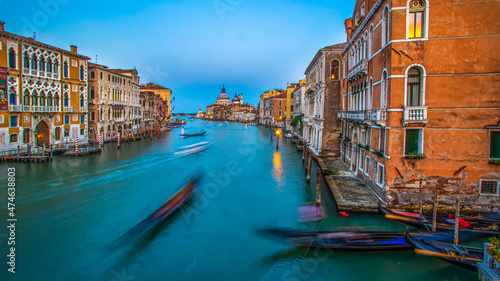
(223, 97)
(236, 99)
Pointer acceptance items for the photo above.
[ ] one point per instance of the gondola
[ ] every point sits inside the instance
(357, 240)
(168, 209)
(443, 224)
(463, 256)
(194, 135)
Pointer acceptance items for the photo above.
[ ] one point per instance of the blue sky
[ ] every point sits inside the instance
(191, 47)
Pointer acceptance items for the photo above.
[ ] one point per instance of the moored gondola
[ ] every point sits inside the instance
(485, 227)
(194, 135)
(463, 256)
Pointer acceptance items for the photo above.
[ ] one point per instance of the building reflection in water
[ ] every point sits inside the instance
(278, 174)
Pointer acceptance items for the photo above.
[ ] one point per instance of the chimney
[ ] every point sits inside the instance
(2, 26)
(74, 49)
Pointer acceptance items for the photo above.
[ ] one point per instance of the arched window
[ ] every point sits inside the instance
(49, 65)
(34, 62)
(416, 17)
(414, 87)
(66, 100)
(26, 98)
(42, 99)
(56, 100)
(82, 72)
(92, 116)
(65, 70)
(383, 90)
(12, 96)
(92, 92)
(12, 58)
(370, 41)
(49, 99)
(26, 60)
(41, 65)
(56, 66)
(385, 27)
(58, 133)
(370, 94)
(81, 100)
(34, 98)
(334, 70)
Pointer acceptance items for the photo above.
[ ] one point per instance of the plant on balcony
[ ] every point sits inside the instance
(378, 152)
(414, 155)
(494, 248)
(494, 161)
(348, 139)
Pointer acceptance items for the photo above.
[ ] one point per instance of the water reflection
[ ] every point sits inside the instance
(278, 171)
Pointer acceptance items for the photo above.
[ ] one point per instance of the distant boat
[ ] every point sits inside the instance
(193, 149)
(466, 257)
(194, 135)
(204, 123)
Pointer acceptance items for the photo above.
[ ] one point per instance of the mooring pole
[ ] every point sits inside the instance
(457, 220)
(434, 213)
(309, 167)
(420, 197)
(318, 186)
(277, 140)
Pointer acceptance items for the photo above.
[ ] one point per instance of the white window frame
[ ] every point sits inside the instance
(380, 139)
(488, 194)
(426, 22)
(367, 165)
(384, 39)
(422, 82)
(17, 138)
(2, 120)
(420, 140)
(380, 166)
(384, 84)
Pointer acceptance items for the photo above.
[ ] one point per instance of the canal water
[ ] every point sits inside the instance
(72, 210)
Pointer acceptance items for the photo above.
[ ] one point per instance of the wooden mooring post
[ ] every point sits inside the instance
(309, 168)
(318, 186)
(457, 221)
(434, 212)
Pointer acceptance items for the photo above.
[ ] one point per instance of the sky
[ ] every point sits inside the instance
(192, 47)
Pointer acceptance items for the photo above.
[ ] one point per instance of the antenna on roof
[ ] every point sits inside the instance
(96, 56)
(34, 35)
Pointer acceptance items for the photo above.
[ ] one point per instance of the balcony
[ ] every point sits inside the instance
(120, 120)
(379, 116)
(16, 108)
(33, 72)
(41, 108)
(415, 114)
(360, 68)
(26, 71)
(55, 76)
(355, 115)
(48, 75)
(68, 109)
(84, 109)
(91, 101)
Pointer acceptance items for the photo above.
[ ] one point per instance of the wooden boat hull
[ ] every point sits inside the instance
(426, 223)
(465, 257)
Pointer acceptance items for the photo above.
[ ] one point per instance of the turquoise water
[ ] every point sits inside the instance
(70, 212)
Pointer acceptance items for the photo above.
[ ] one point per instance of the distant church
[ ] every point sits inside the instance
(223, 98)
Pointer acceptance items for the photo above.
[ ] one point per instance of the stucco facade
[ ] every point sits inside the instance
(421, 105)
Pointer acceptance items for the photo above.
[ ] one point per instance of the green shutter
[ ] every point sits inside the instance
(411, 141)
(495, 144)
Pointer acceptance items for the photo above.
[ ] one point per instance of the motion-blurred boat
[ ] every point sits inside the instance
(193, 149)
(357, 240)
(466, 257)
(169, 208)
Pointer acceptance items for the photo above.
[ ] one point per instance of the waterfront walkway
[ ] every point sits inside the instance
(349, 192)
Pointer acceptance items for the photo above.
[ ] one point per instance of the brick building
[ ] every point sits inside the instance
(421, 105)
(322, 100)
